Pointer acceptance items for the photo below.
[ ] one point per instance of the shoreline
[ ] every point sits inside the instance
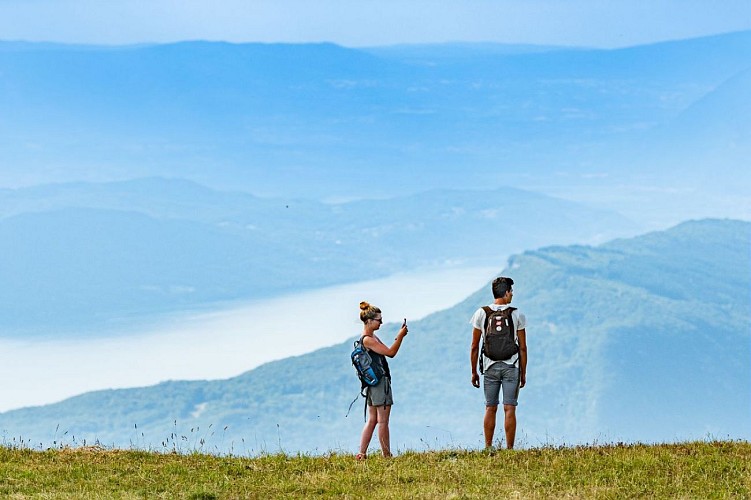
(226, 342)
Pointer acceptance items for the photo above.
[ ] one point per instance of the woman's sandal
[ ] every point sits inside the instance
(361, 456)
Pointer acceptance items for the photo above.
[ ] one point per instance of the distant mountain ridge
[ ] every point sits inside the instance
(79, 258)
(639, 339)
(274, 119)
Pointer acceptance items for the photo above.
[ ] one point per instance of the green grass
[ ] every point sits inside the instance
(719, 469)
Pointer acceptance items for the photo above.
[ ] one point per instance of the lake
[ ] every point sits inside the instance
(225, 342)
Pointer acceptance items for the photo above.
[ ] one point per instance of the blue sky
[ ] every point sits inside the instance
(594, 23)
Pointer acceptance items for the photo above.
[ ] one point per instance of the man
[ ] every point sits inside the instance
(508, 374)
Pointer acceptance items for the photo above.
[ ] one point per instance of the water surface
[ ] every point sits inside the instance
(223, 343)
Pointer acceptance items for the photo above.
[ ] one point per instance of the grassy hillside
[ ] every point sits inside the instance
(688, 470)
(640, 340)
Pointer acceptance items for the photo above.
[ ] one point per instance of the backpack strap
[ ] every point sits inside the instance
(513, 329)
(350, 405)
(511, 320)
(365, 408)
(362, 343)
(364, 394)
(488, 312)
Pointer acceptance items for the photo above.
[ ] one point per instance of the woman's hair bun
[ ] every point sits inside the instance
(368, 311)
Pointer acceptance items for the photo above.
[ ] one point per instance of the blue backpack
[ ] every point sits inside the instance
(368, 372)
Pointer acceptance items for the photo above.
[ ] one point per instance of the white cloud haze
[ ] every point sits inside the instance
(610, 23)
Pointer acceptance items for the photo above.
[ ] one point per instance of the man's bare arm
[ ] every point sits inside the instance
(474, 353)
(522, 336)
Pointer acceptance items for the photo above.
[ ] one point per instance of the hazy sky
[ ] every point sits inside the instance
(600, 23)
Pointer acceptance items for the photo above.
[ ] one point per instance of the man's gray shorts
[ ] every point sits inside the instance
(380, 394)
(501, 375)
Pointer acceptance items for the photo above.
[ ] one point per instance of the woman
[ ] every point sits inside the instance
(378, 397)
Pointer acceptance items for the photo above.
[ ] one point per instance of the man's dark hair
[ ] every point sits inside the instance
(501, 285)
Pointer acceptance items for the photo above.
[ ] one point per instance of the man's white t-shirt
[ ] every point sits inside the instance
(478, 321)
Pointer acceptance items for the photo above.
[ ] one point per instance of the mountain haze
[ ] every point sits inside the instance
(639, 339)
(278, 120)
(80, 257)
(141, 184)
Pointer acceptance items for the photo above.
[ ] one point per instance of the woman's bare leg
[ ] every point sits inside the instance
(383, 413)
(367, 430)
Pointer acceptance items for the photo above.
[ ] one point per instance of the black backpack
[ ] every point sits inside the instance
(499, 339)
